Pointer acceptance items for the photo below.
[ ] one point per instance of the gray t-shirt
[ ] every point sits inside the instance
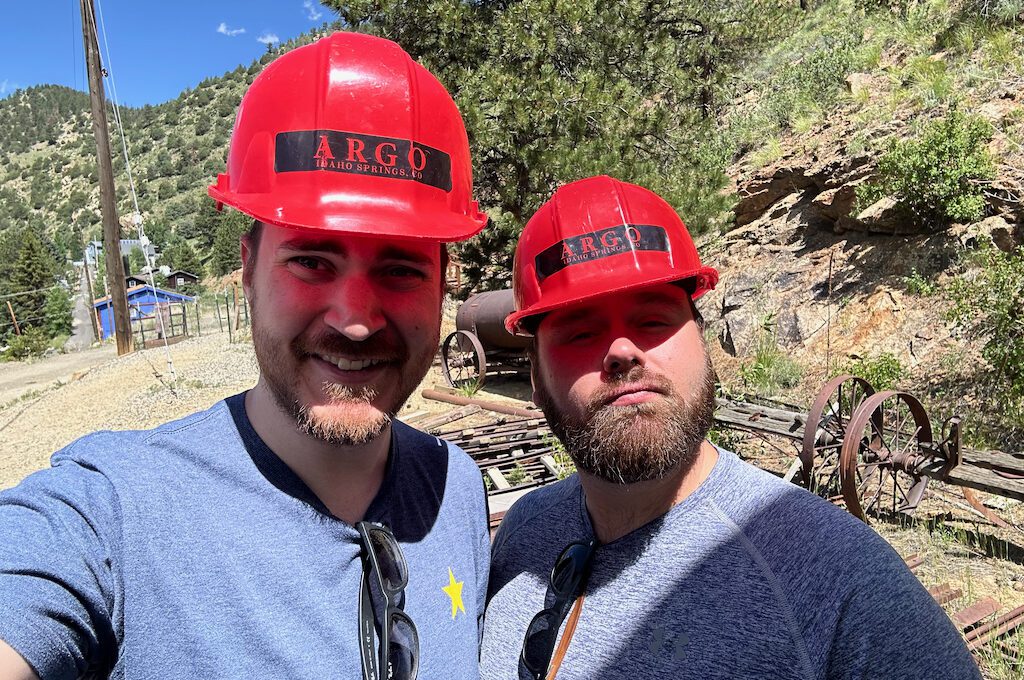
(749, 577)
(192, 551)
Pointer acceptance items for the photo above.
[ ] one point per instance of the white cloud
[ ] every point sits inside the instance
(232, 32)
(312, 13)
(3, 86)
(268, 39)
(6, 87)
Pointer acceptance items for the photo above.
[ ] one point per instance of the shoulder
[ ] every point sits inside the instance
(428, 450)
(537, 514)
(128, 451)
(769, 510)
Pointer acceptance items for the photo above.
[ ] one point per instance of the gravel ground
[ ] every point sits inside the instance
(136, 392)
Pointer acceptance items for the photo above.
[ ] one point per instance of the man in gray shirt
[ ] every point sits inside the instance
(664, 556)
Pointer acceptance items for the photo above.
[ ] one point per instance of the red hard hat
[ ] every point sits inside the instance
(597, 236)
(350, 134)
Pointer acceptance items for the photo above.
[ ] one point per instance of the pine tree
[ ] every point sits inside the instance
(31, 277)
(180, 255)
(58, 312)
(226, 256)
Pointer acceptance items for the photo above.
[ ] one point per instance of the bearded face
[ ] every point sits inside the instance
(344, 327)
(637, 442)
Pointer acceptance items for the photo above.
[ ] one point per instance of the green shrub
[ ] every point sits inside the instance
(990, 306)
(33, 342)
(883, 372)
(917, 284)
(771, 368)
(939, 175)
(517, 475)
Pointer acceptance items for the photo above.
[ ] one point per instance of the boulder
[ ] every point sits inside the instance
(763, 191)
(884, 216)
(994, 230)
(832, 204)
(858, 82)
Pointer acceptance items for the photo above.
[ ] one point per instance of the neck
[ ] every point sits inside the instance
(617, 509)
(345, 478)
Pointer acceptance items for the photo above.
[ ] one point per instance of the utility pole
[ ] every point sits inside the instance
(111, 227)
(92, 299)
(17, 330)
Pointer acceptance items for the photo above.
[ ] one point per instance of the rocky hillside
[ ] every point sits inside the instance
(822, 275)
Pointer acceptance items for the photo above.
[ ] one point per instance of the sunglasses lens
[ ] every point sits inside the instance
(540, 641)
(403, 647)
(393, 569)
(570, 569)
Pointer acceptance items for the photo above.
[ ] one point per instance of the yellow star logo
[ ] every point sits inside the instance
(454, 591)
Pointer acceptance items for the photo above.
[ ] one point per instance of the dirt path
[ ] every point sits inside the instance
(18, 378)
(82, 335)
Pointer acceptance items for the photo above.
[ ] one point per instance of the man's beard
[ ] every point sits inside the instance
(348, 418)
(637, 442)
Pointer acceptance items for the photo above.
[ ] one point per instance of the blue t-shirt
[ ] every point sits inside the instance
(193, 551)
(748, 577)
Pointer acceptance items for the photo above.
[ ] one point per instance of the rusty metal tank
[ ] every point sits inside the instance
(484, 314)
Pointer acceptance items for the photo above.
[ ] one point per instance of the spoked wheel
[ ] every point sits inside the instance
(825, 431)
(462, 357)
(881, 458)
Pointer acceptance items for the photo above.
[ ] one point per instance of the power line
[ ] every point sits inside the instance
(21, 322)
(137, 217)
(29, 292)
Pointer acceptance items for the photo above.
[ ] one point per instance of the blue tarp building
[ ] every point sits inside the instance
(142, 301)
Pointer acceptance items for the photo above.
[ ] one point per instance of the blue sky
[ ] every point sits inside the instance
(157, 47)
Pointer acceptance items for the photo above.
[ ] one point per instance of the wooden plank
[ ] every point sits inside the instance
(914, 561)
(949, 596)
(743, 421)
(411, 418)
(996, 459)
(549, 463)
(436, 421)
(986, 480)
(497, 479)
(971, 615)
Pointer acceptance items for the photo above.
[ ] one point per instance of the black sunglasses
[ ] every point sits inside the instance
(567, 581)
(399, 652)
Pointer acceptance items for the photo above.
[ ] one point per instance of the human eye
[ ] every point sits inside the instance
(579, 335)
(307, 267)
(307, 262)
(405, 275)
(655, 323)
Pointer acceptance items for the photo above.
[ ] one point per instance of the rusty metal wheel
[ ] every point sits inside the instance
(887, 446)
(825, 431)
(463, 360)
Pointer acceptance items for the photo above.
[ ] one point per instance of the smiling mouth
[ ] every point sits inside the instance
(351, 364)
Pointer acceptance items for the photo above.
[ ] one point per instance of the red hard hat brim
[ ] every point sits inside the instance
(706, 279)
(385, 220)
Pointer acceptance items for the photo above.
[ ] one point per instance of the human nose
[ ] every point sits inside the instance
(355, 310)
(622, 355)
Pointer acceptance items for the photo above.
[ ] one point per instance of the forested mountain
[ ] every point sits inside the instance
(730, 110)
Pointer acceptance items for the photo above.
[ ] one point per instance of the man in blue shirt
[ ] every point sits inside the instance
(294, 530)
(664, 556)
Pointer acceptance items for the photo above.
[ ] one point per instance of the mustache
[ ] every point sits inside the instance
(336, 344)
(635, 375)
